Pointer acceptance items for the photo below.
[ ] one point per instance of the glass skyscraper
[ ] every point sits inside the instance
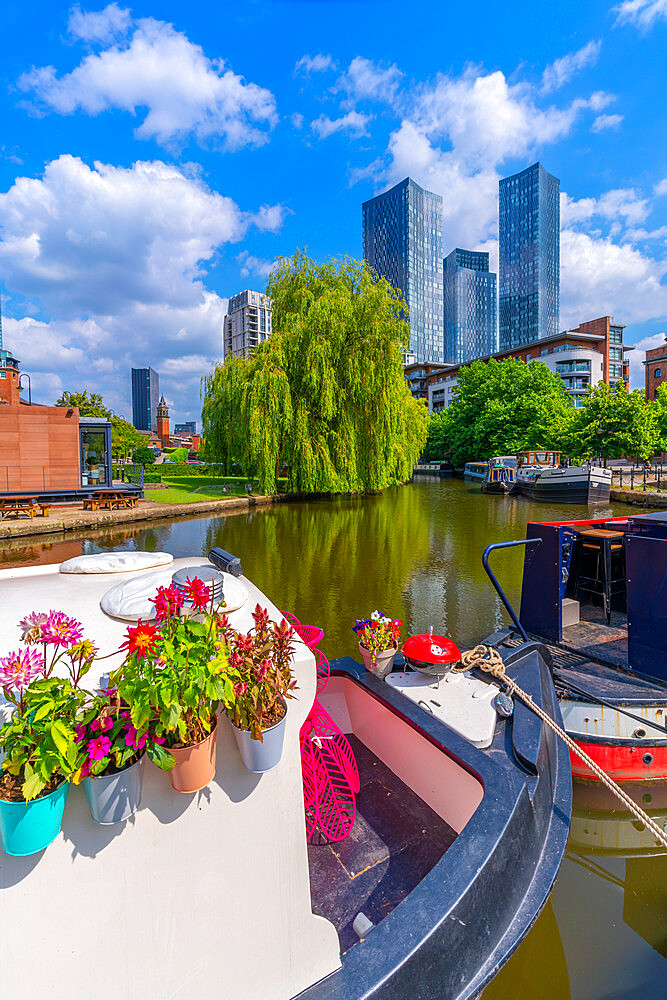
(469, 291)
(145, 394)
(402, 241)
(529, 231)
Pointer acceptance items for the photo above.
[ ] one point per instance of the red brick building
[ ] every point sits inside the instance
(163, 422)
(655, 369)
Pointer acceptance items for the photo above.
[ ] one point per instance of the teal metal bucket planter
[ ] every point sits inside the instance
(115, 797)
(28, 827)
(260, 756)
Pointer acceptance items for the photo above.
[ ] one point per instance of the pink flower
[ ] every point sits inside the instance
(132, 741)
(167, 601)
(99, 747)
(159, 739)
(18, 669)
(263, 669)
(61, 630)
(197, 593)
(85, 769)
(103, 724)
(240, 688)
(80, 733)
(32, 626)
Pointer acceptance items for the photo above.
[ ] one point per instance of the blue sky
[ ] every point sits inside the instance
(157, 158)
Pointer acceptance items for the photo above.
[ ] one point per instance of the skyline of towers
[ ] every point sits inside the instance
(469, 295)
(529, 257)
(402, 241)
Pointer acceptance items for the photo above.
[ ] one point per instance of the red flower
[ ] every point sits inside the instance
(240, 688)
(197, 593)
(167, 601)
(142, 639)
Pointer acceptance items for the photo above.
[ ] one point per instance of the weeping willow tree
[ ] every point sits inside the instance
(325, 397)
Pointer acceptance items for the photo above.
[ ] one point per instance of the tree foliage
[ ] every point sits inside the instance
(614, 423)
(325, 396)
(143, 456)
(502, 407)
(124, 438)
(88, 405)
(437, 442)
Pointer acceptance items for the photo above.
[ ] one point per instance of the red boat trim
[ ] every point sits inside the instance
(639, 761)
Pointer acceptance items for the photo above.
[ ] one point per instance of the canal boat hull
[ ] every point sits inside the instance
(574, 485)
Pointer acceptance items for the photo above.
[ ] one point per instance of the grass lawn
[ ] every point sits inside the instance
(194, 491)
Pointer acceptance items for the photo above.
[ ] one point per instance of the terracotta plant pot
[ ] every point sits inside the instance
(195, 765)
(262, 755)
(384, 660)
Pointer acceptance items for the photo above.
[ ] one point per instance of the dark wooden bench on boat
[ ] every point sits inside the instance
(14, 506)
(110, 499)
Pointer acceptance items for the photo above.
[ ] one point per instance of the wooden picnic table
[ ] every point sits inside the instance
(111, 499)
(14, 506)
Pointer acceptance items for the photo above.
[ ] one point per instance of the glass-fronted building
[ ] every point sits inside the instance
(529, 235)
(145, 396)
(247, 323)
(469, 294)
(402, 241)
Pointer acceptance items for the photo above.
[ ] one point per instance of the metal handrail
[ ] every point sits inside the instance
(496, 586)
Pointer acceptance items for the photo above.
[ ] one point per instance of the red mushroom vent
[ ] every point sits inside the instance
(432, 654)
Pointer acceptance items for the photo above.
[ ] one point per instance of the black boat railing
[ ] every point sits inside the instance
(496, 586)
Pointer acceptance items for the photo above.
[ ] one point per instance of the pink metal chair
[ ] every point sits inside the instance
(289, 617)
(310, 634)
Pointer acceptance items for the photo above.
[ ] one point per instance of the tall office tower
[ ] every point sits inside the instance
(529, 301)
(145, 394)
(247, 323)
(189, 427)
(469, 292)
(402, 241)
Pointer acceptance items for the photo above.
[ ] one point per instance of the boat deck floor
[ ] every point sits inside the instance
(593, 637)
(396, 840)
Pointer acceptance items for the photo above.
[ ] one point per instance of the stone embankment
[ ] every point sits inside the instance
(64, 519)
(649, 499)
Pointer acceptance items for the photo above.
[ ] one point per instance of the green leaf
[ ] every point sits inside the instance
(61, 736)
(33, 784)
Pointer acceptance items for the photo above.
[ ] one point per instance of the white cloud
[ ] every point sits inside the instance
(250, 264)
(661, 187)
(353, 122)
(364, 80)
(638, 356)
(297, 120)
(115, 259)
(603, 122)
(562, 70)
(314, 64)
(621, 203)
(102, 26)
(642, 13)
(599, 278)
(185, 93)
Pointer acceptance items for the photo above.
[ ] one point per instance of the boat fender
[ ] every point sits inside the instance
(503, 705)
(361, 925)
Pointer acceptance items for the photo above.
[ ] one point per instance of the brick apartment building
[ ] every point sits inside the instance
(590, 353)
(655, 369)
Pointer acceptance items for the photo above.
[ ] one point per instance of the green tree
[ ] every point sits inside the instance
(437, 442)
(614, 423)
(124, 438)
(502, 407)
(325, 396)
(143, 456)
(660, 409)
(88, 405)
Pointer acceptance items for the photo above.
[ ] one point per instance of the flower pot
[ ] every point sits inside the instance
(114, 797)
(195, 765)
(384, 660)
(263, 755)
(29, 827)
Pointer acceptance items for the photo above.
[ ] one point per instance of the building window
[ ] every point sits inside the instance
(657, 373)
(616, 353)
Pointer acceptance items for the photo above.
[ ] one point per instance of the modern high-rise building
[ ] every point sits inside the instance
(402, 241)
(469, 294)
(145, 395)
(529, 233)
(247, 323)
(189, 427)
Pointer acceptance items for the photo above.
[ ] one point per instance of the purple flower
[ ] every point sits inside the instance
(60, 630)
(80, 733)
(18, 669)
(133, 740)
(103, 724)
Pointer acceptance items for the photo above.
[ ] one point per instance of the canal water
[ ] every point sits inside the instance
(414, 553)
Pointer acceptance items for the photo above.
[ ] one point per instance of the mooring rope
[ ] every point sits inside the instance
(490, 661)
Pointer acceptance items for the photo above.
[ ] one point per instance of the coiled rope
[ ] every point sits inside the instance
(490, 661)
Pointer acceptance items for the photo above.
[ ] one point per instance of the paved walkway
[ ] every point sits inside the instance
(73, 518)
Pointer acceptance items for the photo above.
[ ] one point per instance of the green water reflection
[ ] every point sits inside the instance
(415, 552)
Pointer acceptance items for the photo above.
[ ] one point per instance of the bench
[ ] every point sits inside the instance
(109, 499)
(14, 506)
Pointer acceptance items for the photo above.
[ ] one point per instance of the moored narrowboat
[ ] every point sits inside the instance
(547, 477)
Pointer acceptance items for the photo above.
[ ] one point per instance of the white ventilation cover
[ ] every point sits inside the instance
(131, 599)
(116, 562)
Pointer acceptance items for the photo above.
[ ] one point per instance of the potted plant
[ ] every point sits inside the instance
(259, 670)
(39, 737)
(173, 679)
(378, 642)
(112, 757)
